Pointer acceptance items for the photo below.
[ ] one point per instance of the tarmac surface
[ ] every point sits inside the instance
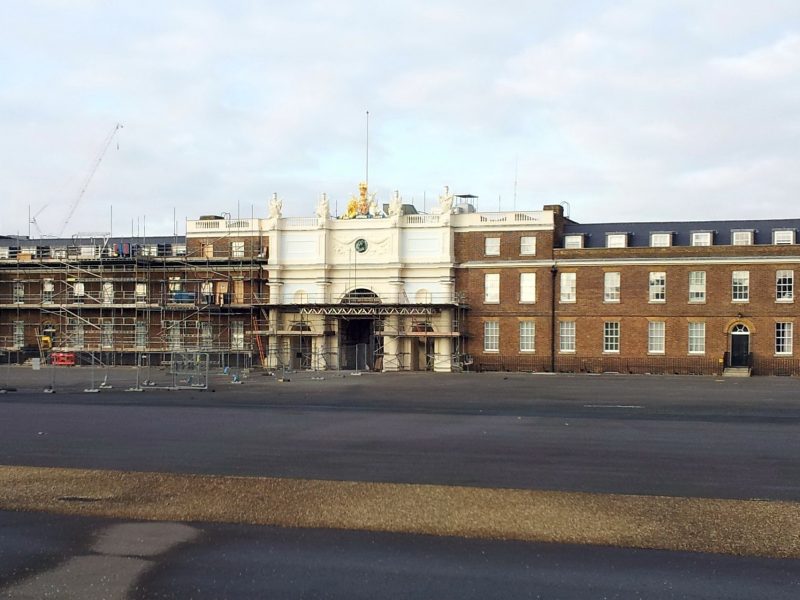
(638, 454)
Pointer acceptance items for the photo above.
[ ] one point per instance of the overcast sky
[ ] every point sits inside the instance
(627, 111)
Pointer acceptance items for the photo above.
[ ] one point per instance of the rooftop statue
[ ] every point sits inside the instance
(275, 207)
(323, 208)
(363, 207)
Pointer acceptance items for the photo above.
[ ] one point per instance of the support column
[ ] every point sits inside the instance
(391, 328)
(443, 347)
(273, 340)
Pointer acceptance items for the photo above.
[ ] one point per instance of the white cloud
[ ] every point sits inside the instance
(642, 110)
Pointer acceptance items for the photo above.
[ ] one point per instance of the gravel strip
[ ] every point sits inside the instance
(739, 527)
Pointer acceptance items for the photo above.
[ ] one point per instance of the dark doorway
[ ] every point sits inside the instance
(740, 346)
(357, 349)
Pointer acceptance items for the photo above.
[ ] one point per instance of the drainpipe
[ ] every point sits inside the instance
(553, 272)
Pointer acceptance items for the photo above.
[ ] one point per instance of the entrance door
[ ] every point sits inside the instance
(357, 344)
(740, 345)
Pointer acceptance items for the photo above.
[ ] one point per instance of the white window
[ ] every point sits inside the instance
(568, 287)
(783, 236)
(237, 335)
(175, 283)
(527, 336)
(784, 286)
(697, 286)
(90, 251)
(658, 286)
(491, 288)
(611, 336)
(140, 293)
(237, 249)
(79, 291)
(527, 287)
(740, 286)
(19, 292)
(207, 250)
(566, 336)
(660, 240)
(783, 338)
(701, 238)
(655, 337)
(527, 245)
(697, 338)
(616, 240)
(573, 241)
(4, 253)
(491, 246)
(611, 284)
(58, 252)
(19, 334)
(141, 335)
(107, 292)
(491, 336)
(179, 250)
(47, 291)
(742, 238)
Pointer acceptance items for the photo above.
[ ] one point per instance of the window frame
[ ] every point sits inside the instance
(486, 244)
(612, 293)
(611, 337)
(568, 282)
(495, 297)
(776, 234)
(738, 240)
(699, 289)
(571, 239)
(530, 287)
(785, 295)
(699, 346)
(656, 340)
(491, 336)
(527, 245)
(617, 240)
(702, 238)
(784, 341)
(527, 339)
(740, 292)
(657, 292)
(665, 238)
(567, 336)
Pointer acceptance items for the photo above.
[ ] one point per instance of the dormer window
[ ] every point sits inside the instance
(574, 240)
(660, 240)
(616, 240)
(701, 238)
(783, 236)
(742, 237)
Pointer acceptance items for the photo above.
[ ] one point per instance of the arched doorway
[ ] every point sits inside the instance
(358, 332)
(739, 345)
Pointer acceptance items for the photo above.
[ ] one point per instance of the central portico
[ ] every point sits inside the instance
(369, 290)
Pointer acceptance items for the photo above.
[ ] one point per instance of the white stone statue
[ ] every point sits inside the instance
(275, 207)
(446, 205)
(374, 211)
(323, 208)
(446, 201)
(395, 204)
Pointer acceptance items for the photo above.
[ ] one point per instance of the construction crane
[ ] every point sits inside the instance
(85, 185)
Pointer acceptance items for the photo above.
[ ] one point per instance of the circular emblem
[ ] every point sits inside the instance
(361, 245)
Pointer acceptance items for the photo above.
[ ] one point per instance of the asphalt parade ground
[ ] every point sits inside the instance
(577, 486)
